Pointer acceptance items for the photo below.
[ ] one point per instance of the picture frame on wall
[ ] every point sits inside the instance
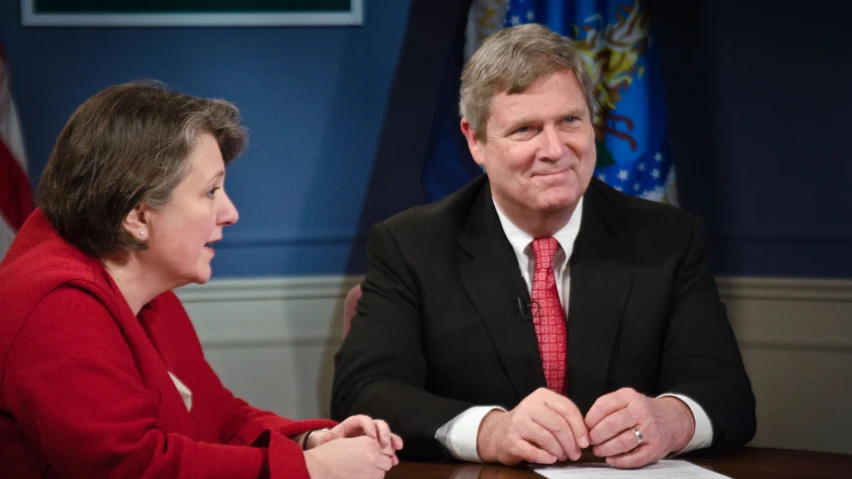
(190, 13)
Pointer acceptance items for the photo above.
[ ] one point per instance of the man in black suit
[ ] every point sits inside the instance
(462, 355)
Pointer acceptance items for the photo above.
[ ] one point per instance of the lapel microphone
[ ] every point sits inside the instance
(525, 308)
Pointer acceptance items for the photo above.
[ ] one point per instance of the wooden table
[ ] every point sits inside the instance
(750, 462)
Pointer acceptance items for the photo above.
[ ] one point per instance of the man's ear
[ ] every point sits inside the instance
(136, 221)
(474, 143)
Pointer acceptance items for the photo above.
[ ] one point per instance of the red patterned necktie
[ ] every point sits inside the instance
(548, 316)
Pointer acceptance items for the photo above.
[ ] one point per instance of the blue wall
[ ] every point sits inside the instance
(758, 98)
(761, 119)
(312, 98)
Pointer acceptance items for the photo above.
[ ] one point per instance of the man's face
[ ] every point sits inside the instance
(539, 151)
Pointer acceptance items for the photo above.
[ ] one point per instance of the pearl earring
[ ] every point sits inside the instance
(142, 233)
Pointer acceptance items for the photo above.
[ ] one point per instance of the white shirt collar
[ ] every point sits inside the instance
(520, 239)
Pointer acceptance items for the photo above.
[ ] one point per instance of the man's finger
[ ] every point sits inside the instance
(606, 405)
(611, 426)
(530, 453)
(623, 442)
(537, 435)
(638, 457)
(561, 431)
(571, 414)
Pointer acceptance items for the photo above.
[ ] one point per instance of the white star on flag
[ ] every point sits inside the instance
(602, 177)
(641, 166)
(622, 175)
(636, 187)
(516, 20)
(655, 173)
(658, 157)
(530, 15)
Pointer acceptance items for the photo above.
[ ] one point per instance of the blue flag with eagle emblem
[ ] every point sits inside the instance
(631, 131)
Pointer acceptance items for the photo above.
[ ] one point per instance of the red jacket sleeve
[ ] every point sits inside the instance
(72, 383)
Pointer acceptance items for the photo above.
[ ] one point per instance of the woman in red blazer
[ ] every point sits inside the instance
(101, 372)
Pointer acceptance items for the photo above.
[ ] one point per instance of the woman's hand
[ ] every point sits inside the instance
(348, 458)
(355, 426)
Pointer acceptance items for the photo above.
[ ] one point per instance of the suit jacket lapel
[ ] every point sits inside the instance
(491, 278)
(600, 285)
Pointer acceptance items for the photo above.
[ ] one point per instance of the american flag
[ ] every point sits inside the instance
(16, 201)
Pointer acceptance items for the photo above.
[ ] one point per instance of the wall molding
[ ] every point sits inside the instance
(789, 314)
(783, 236)
(301, 287)
(290, 239)
(268, 312)
(801, 289)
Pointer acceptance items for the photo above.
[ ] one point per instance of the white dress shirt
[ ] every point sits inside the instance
(185, 393)
(459, 434)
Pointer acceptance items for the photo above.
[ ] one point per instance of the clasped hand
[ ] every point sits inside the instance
(547, 427)
(358, 448)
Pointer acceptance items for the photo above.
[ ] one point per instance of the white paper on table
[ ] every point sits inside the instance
(668, 469)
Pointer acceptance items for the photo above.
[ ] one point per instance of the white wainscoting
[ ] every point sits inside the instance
(272, 341)
(796, 339)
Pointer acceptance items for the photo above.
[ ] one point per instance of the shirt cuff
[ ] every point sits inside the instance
(703, 435)
(459, 434)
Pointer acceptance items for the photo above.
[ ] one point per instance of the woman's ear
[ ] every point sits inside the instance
(136, 222)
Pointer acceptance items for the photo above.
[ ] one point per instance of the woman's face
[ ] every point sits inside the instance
(182, 233)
